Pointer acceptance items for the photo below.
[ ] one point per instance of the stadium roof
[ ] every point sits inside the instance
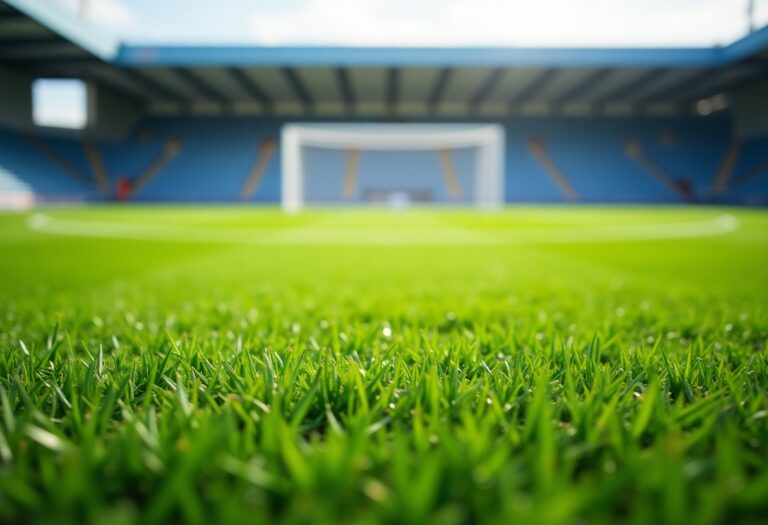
(46, 40)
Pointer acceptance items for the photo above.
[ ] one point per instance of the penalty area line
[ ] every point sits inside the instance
(47, 224)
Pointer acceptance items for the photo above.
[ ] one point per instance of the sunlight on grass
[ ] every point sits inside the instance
(156, 380)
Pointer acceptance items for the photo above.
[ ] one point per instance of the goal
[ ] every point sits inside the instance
(393, 165)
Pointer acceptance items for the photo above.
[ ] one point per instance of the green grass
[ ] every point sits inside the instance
(230, 365)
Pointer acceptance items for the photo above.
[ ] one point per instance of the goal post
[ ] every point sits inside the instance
(353, 142)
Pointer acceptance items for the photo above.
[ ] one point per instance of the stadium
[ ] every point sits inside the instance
(380, 284)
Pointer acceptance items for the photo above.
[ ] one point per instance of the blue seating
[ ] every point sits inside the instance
(750, 177)
(217, 154)
(25, 167)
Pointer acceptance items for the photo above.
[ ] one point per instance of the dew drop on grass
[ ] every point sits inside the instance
(386, 331)
(376, 490)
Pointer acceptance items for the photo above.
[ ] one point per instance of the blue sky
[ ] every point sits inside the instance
(427, 22)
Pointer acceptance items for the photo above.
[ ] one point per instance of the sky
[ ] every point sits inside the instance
(537, 23)
(59, 103)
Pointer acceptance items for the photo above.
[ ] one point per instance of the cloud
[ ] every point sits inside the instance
(547, 23)
(109, 14)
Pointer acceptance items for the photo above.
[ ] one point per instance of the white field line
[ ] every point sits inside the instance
(719, 225)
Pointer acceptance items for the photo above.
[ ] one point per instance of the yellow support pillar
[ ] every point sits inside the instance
(449, 173)
(725, 170)
(171, 149)
(96, 164)
(635, 151)
(539, 150)
(351, 173)
(266, 151)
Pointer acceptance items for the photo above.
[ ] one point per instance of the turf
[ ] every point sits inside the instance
(230, 365)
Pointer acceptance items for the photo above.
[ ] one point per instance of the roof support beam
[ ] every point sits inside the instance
(485, 89)
(31, 41)
(728, 87)
(201, 86)
(119, 90)
(252, 88)
(756, 61)
(49, 50)
(56, 65)
(580, 89)
(676, 90)
(627, 89)
(116, 82)
(538, 83)
(12, 15)
(393, 76)
(298, 88)
(153, 85)
(345, 88)
(438, 89)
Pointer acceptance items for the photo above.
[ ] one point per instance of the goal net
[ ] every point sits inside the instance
(394, 165)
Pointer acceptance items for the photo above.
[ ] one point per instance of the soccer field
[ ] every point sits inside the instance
(230, 364)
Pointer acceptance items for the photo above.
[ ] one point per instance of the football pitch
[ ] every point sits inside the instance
(164, 364)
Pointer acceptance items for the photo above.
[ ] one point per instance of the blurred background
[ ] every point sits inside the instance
(494, 102)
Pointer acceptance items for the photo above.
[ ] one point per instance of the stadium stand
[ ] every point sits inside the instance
(26, 168)
(216, 156)
(202, 123)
